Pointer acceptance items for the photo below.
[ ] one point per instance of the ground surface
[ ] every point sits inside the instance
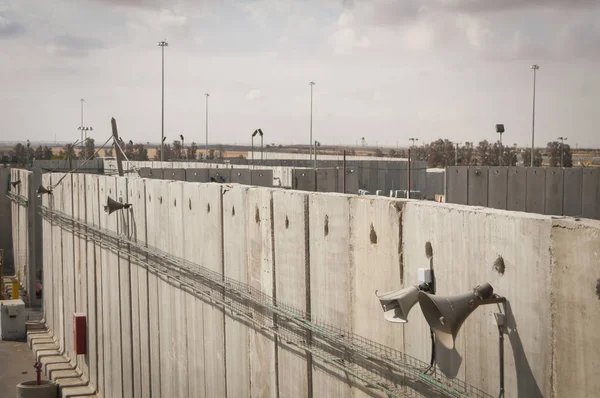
(16, 365)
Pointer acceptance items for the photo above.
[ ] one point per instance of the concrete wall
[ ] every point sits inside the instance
(26, 232)
(322, 254)
(6, 239)
(543, 190)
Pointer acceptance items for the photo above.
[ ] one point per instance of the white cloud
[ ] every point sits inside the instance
(253, 95)
(345, 40)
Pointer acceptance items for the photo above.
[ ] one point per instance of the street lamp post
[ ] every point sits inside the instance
(81, 125)
(182, 147)
(562, 144)
(162, 45)
(534, 67)
(311, 119)
(206, 144)
(456, 154)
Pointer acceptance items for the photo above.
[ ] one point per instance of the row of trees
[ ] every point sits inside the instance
(443, 152)
(175, 151)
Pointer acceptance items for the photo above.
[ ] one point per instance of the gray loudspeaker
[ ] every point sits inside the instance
(446, 314)
(112, 206)
(398, 303)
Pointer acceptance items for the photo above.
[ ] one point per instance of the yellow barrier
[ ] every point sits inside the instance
(15, 290)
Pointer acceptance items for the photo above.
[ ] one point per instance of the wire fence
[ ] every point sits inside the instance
(372, 365)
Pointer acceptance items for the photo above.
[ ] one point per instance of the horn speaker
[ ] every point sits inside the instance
(397, 304)
(446, 314)
(112, 206)
(42, 190)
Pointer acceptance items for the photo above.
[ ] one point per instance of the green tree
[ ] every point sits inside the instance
(90, 149)
(168, 153)
(537, 157)
(192, 151)
(379, 153)
(554, 148)
(177, 150)
(67, 152)
(484, 153)
(140, 153)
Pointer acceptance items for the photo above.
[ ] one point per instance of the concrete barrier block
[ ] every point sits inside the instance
(331, 279)
(590, 197)
(196, 175)
(457, 185)
(376, 243)
(575, 300)
(261, 270)
(497, 187)
(554, 191)
(290, 225)
(206, 359)
(174, 174)
(573, 191)
(304, 179)
(478, 186)
(262, 178)
(235, 216)
(458, 268)
(517, 189)
(536, 189)
(219, 175)
(326, 180)
(241, 176)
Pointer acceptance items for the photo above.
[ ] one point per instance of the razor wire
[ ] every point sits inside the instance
(377, 366)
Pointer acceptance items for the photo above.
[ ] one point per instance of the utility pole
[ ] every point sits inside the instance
(500, 130)
(162, 45)
(206, 144)
(311, 119)
(456, 154)
(119, 154)
(535, 68)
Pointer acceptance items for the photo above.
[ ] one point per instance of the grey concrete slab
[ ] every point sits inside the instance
(536, 190)
(590, 198)
(157, 174)
(174, 174)
(241, 176)
(261, 270)
(145, 172)
(517, 189)
(235, 238)
(219, 175)
(351, 180)
(497, 187)
(290, 226)
(331, 279)
(436, 179)
(304, 179)
(457, 185)
(327, 180)
(478, 186)
(262, 178)
(554, 191)
(573, 191)
(197, 175)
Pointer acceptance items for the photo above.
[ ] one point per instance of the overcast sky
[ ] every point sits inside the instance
(384, 69)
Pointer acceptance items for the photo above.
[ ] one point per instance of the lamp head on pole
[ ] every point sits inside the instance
(534, 67)
(162, 43)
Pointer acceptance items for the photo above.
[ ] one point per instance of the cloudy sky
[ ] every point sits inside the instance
(384, 69)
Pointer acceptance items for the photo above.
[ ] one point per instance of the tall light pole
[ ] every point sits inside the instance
(81, 125)
(206, 145)
(311, 119)
(162, 45)
(562, 144)
(182, 146)
(535, 67)
(456, 154)
(317, 144)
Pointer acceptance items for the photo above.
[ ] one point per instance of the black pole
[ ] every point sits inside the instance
(261, 146)
(344, 171)
(408, 192)
(501, 352)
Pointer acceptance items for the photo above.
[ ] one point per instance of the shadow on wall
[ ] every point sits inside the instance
(526, 383)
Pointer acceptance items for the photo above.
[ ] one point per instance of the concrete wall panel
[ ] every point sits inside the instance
(261, 273)
(304, 179)
(196, 175)
(219, 175)
(517, 189)
(290, 223)
(590, 202)
(536, 188)
(497, 187)
(576, 338)
(478, 186)
(235, 216)
(457, 185)
(524, 243)
(174, 174)
(573, 191)
(331, 271)
(241, 176)
(327, 180)
(262, 178)
(6, 239)
(554, 191)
